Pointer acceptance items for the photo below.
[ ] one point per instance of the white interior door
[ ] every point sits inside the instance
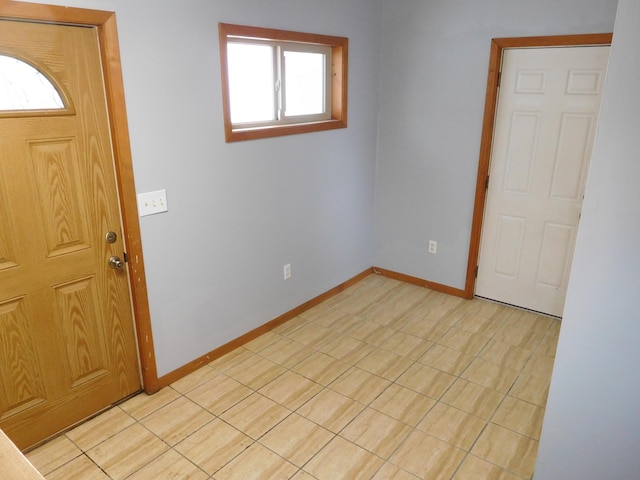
(544, 128)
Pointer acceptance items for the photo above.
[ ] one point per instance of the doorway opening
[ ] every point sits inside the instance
(498, 47)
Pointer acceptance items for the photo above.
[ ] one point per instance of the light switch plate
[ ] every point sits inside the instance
(287, 271)
(150, 203)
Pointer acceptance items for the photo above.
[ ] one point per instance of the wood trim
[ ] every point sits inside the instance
(13, 464)
(194, 365)
(340, 81)
(50, 13)
(108, 38)
(339, 78)
(280, 35)
(281, 130)
(438, 287)
(554, 41)
(114, 87)
(491, 98)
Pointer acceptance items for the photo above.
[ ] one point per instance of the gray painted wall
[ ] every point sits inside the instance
(434, 59)
(591, 429)
(239, 212)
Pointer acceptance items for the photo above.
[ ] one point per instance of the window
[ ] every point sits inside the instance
(23, 88)
(276, 82)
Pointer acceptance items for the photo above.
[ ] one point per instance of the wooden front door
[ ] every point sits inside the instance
(67, 341)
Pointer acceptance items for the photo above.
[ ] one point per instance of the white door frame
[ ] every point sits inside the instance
(486, 143)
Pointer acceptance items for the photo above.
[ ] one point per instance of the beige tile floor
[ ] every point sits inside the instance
(384, 381)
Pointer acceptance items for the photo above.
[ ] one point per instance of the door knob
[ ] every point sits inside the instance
(115, 262)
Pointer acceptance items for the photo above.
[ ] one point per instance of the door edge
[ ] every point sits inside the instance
(105, 22)
(486, 140)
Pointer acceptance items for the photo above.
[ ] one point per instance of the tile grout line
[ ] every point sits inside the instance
(375, 342)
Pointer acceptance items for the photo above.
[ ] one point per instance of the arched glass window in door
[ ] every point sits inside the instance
(22, 87)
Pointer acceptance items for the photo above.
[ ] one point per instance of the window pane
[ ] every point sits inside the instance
(22, 87)
(304, 80)
(251, 82)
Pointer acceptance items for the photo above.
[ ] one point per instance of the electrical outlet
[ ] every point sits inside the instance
(287, 271)
(433, 246)
(151, 203)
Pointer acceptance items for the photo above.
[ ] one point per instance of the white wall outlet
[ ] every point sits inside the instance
(287, 271)
(151, 203)
(433, 246)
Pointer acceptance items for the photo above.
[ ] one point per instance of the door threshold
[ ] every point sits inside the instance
(517, 307)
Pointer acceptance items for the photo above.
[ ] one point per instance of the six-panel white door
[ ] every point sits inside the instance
(544, 128)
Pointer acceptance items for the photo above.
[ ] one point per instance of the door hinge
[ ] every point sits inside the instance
(499, 79)
(486, 184)
(476, 273)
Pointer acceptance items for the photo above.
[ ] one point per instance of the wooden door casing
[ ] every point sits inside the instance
(493, 77)
(545, 125)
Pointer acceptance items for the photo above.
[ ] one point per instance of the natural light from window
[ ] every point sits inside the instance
(268, 82)
(251, 82)
(305, 80)
(22, 87)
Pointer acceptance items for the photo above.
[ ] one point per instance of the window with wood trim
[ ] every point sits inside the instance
(278, 82)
